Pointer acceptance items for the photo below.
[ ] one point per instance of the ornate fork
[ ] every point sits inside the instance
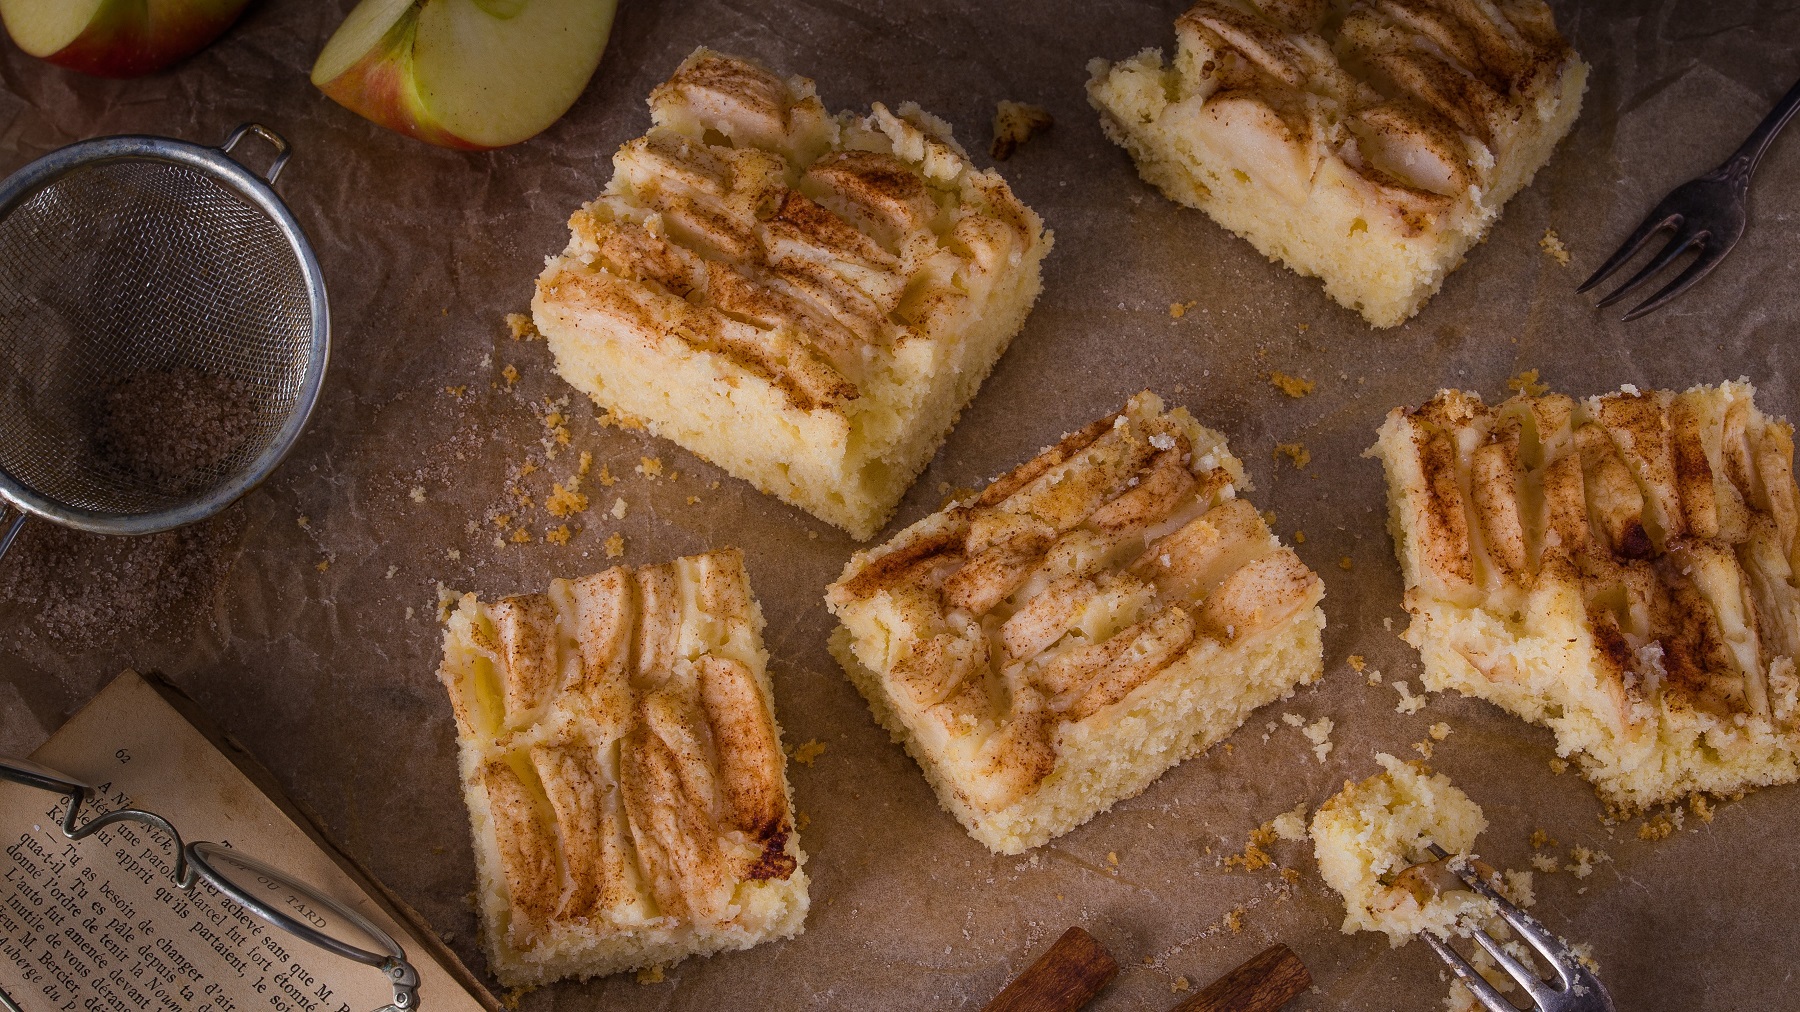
(1707, 214)
(1574, 988)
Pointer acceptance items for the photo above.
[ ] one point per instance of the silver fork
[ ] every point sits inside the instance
(1707, 215)
(1574, 989)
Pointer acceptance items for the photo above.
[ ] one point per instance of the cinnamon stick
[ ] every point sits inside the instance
(1268, 981)
(1062, 980)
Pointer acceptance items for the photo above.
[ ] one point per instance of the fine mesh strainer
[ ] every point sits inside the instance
(167, 332)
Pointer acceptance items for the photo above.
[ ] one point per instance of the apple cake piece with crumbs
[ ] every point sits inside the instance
(1620, 569)
(623, 769)
(1055, 643)
(807, 301)
(1369, 836)
(1366, 144)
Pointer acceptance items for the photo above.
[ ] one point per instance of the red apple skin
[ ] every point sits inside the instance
(129, 38)
(378, 88)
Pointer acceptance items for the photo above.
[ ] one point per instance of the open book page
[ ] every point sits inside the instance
(98, 925)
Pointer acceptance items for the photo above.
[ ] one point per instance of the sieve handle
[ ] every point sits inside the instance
(282, 151)
(12, 529)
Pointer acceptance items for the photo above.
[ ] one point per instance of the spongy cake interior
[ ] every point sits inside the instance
(807, 301)
(603, 840)
(1054, 644)
(1359, 148)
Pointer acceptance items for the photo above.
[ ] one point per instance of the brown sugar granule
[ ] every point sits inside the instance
(1299, 537)
(1014, 124)
(1345, 563)
(1296, 453)
(521, 327)
(1293, 386)
(615, 545)
(176, 430)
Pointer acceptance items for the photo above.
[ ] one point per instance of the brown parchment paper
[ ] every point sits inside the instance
(304, 620)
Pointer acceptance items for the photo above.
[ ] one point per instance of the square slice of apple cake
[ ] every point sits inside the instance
(1366, 144)
(1053, 644)
(1620, 569)
(623, 770)
(807, 301)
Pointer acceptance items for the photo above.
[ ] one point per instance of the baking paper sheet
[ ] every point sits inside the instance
(315, 641)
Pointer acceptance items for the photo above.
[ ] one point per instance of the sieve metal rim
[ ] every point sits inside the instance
(218, 166)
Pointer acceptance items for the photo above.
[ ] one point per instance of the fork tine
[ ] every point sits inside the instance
(1655, 222)
(1710, 257)
(1678, 245)
(1485, 993)
(1525, 976)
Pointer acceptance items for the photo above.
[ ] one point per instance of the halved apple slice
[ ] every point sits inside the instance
(471, 74)
(116, 38)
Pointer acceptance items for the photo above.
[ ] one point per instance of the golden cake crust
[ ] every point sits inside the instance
(624, 771)
(1112, 573)
(838, 284)
(1621, 568)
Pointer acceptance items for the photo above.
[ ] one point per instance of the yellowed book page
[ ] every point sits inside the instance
(98, 925)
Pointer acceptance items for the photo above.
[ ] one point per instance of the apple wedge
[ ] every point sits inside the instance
(472, 74)
(116, 38)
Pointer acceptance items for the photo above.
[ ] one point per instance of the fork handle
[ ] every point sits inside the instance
(1743, 161)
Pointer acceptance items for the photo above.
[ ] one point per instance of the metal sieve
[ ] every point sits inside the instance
(167, 332)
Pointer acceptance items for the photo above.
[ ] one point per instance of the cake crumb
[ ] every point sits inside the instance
(618, 508)
(1552, 244)
(1014, 124)
(1292, 719)
(1701, 807)
(1112, 858)
(1439, 731)
(1290, 825)
(620, 420)
(649, 467)
(452, 554)
(1254, 857)
(417, 493)
(1558, 765)
(1424, 748)
(806, 753)
(304, 521)
(522, 327)
(323, 565)
(1296, 453)
(510, 374)
(651, 974)
(1177, 310)
(1546, 863)
(1319, 733)
(1527, 383)
(1581, 862)
(391, 571)
(1299, 537)
(1540, 840)
(1518, 888)
(1409, 703)
(1293, 386)
(1357, 663)
(1179, 985)
(521, 537)
(1235, 920)
(802, 820)
(558, 535)
(615, 545)
(565, 502)
(606, 476)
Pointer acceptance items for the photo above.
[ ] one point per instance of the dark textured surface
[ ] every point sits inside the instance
(328, 675)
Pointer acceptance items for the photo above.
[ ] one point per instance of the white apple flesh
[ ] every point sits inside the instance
(117, 38)
(471, 74)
